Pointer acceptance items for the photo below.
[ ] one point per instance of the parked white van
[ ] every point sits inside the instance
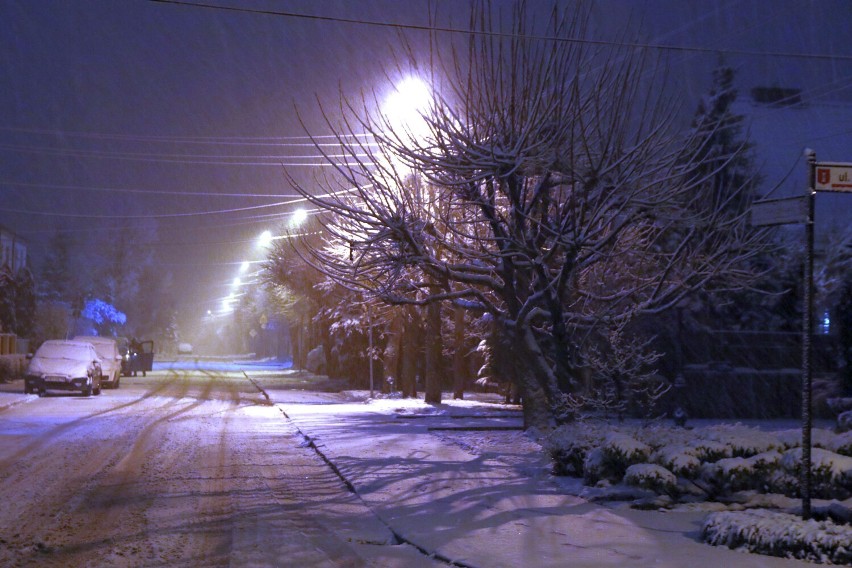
(107, 349)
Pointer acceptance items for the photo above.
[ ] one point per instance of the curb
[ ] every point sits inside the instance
(309, 442)
(25, 398)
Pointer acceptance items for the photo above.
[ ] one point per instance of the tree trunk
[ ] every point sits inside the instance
(434, 348)
(537, 410)
(537, 385)
(393, 354)
(409, 351)
(460, 366)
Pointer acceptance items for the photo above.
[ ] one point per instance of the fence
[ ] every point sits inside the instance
(752, 374)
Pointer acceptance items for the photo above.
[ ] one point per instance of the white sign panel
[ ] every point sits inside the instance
(779, 211)
(833, 177)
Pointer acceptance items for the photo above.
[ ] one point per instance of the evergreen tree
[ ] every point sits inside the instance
(723, 151)
(726, 165)
(8, 323)
(56, 281)
(25, 303)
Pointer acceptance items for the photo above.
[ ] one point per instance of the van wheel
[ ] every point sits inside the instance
(87, 390)
(117, 381)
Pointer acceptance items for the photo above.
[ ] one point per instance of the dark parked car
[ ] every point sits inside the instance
(138, 356)
(64, 365)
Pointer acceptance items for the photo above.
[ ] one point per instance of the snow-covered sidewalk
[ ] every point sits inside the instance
(485, 498)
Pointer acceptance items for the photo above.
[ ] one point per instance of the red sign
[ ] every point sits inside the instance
(833, 177)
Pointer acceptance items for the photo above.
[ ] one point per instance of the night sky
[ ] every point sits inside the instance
(120, 114)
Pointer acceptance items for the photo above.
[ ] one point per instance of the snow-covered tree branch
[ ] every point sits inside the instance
(552, 190)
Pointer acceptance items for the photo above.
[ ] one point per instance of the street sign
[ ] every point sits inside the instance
(790, 210)
(833, 177)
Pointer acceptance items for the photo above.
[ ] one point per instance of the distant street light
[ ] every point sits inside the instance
(265, 239)
(244, 267)
(237, 282)
(299, 217)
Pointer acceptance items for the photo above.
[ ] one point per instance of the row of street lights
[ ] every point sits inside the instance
(404, 109)
(263, 242)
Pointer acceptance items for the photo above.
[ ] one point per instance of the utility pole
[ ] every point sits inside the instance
(807, 331)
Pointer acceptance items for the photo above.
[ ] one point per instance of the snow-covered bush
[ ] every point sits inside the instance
(709, 450)
(568, 446)
(737, 474)
(680, 460)
(831, 473)
(596, 468)
(780, 534)
(651, 476)
(625, 449)
(658, 436)
(8, 370)
(841, 444)
(611, 460)
(743, 441)
(718, 460)
(820, 438)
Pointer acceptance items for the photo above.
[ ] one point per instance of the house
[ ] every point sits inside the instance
(13, 250)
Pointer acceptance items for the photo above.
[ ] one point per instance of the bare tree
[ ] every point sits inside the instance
(552, 192)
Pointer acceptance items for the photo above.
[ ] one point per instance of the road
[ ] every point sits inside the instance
(178, 468)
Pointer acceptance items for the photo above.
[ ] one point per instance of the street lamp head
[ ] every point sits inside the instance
(299, 217)
(244, 267)
(405, 108)
(265, 239)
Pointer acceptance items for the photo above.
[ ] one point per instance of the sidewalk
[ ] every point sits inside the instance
(12, 394)
(491, 508)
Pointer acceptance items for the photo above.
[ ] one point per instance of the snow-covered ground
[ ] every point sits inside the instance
(463, 482)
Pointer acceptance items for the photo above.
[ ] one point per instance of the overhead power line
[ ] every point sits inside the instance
(146, 191)
(533, 37)
(276, 161)
(154, 216)
(188, 214)
(169, 157)
(277, 141)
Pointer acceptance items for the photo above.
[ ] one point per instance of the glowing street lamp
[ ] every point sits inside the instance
(299, 217)
(244, 267)
(405, 108)
(265, 239)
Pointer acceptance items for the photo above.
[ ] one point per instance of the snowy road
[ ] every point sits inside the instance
(179, 468)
